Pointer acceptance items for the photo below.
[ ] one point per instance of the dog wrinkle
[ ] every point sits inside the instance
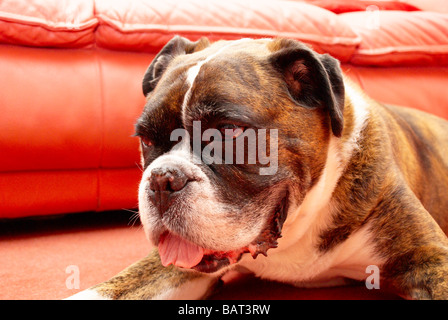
(193, 72)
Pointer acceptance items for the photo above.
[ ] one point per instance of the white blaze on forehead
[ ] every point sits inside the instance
(193, 72)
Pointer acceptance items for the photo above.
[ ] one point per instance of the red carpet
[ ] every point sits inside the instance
(35, 254)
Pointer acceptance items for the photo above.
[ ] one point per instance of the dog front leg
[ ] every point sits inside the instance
(415, 247)
(149, 279)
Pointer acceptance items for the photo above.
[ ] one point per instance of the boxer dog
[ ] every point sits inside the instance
(356, 183)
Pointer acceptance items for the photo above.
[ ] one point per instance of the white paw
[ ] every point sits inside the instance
(88, 294)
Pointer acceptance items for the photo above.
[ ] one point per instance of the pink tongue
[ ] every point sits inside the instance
(180, 252)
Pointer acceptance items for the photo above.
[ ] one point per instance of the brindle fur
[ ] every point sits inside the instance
(147, 279)
(395, 181)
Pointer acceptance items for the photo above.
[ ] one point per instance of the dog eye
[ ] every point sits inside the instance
(146, 143)
(231, 131)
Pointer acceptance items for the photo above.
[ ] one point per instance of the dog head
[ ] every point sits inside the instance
(232, 135)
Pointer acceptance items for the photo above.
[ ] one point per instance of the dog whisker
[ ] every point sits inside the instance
(134, 218)
(139, 166)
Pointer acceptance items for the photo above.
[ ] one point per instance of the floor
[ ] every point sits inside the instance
(39, 256)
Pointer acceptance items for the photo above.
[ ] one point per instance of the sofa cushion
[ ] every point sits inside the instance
(47, 23)
(148, 25)
(341, 6)
(395, 38)
(429, 5)
(51, 109)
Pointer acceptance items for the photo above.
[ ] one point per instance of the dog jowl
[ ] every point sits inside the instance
(262, 155)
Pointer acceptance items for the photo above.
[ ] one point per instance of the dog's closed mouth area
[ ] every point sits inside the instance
(176, 250)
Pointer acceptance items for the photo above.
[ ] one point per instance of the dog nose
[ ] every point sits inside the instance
(170, 180)
(164, 183)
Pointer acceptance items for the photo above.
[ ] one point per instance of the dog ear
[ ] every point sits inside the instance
(175, 47)
(313, 80)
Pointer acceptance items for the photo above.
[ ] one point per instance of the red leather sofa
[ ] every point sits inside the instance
(71, 75)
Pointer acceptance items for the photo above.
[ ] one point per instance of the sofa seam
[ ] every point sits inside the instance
(101, 105)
